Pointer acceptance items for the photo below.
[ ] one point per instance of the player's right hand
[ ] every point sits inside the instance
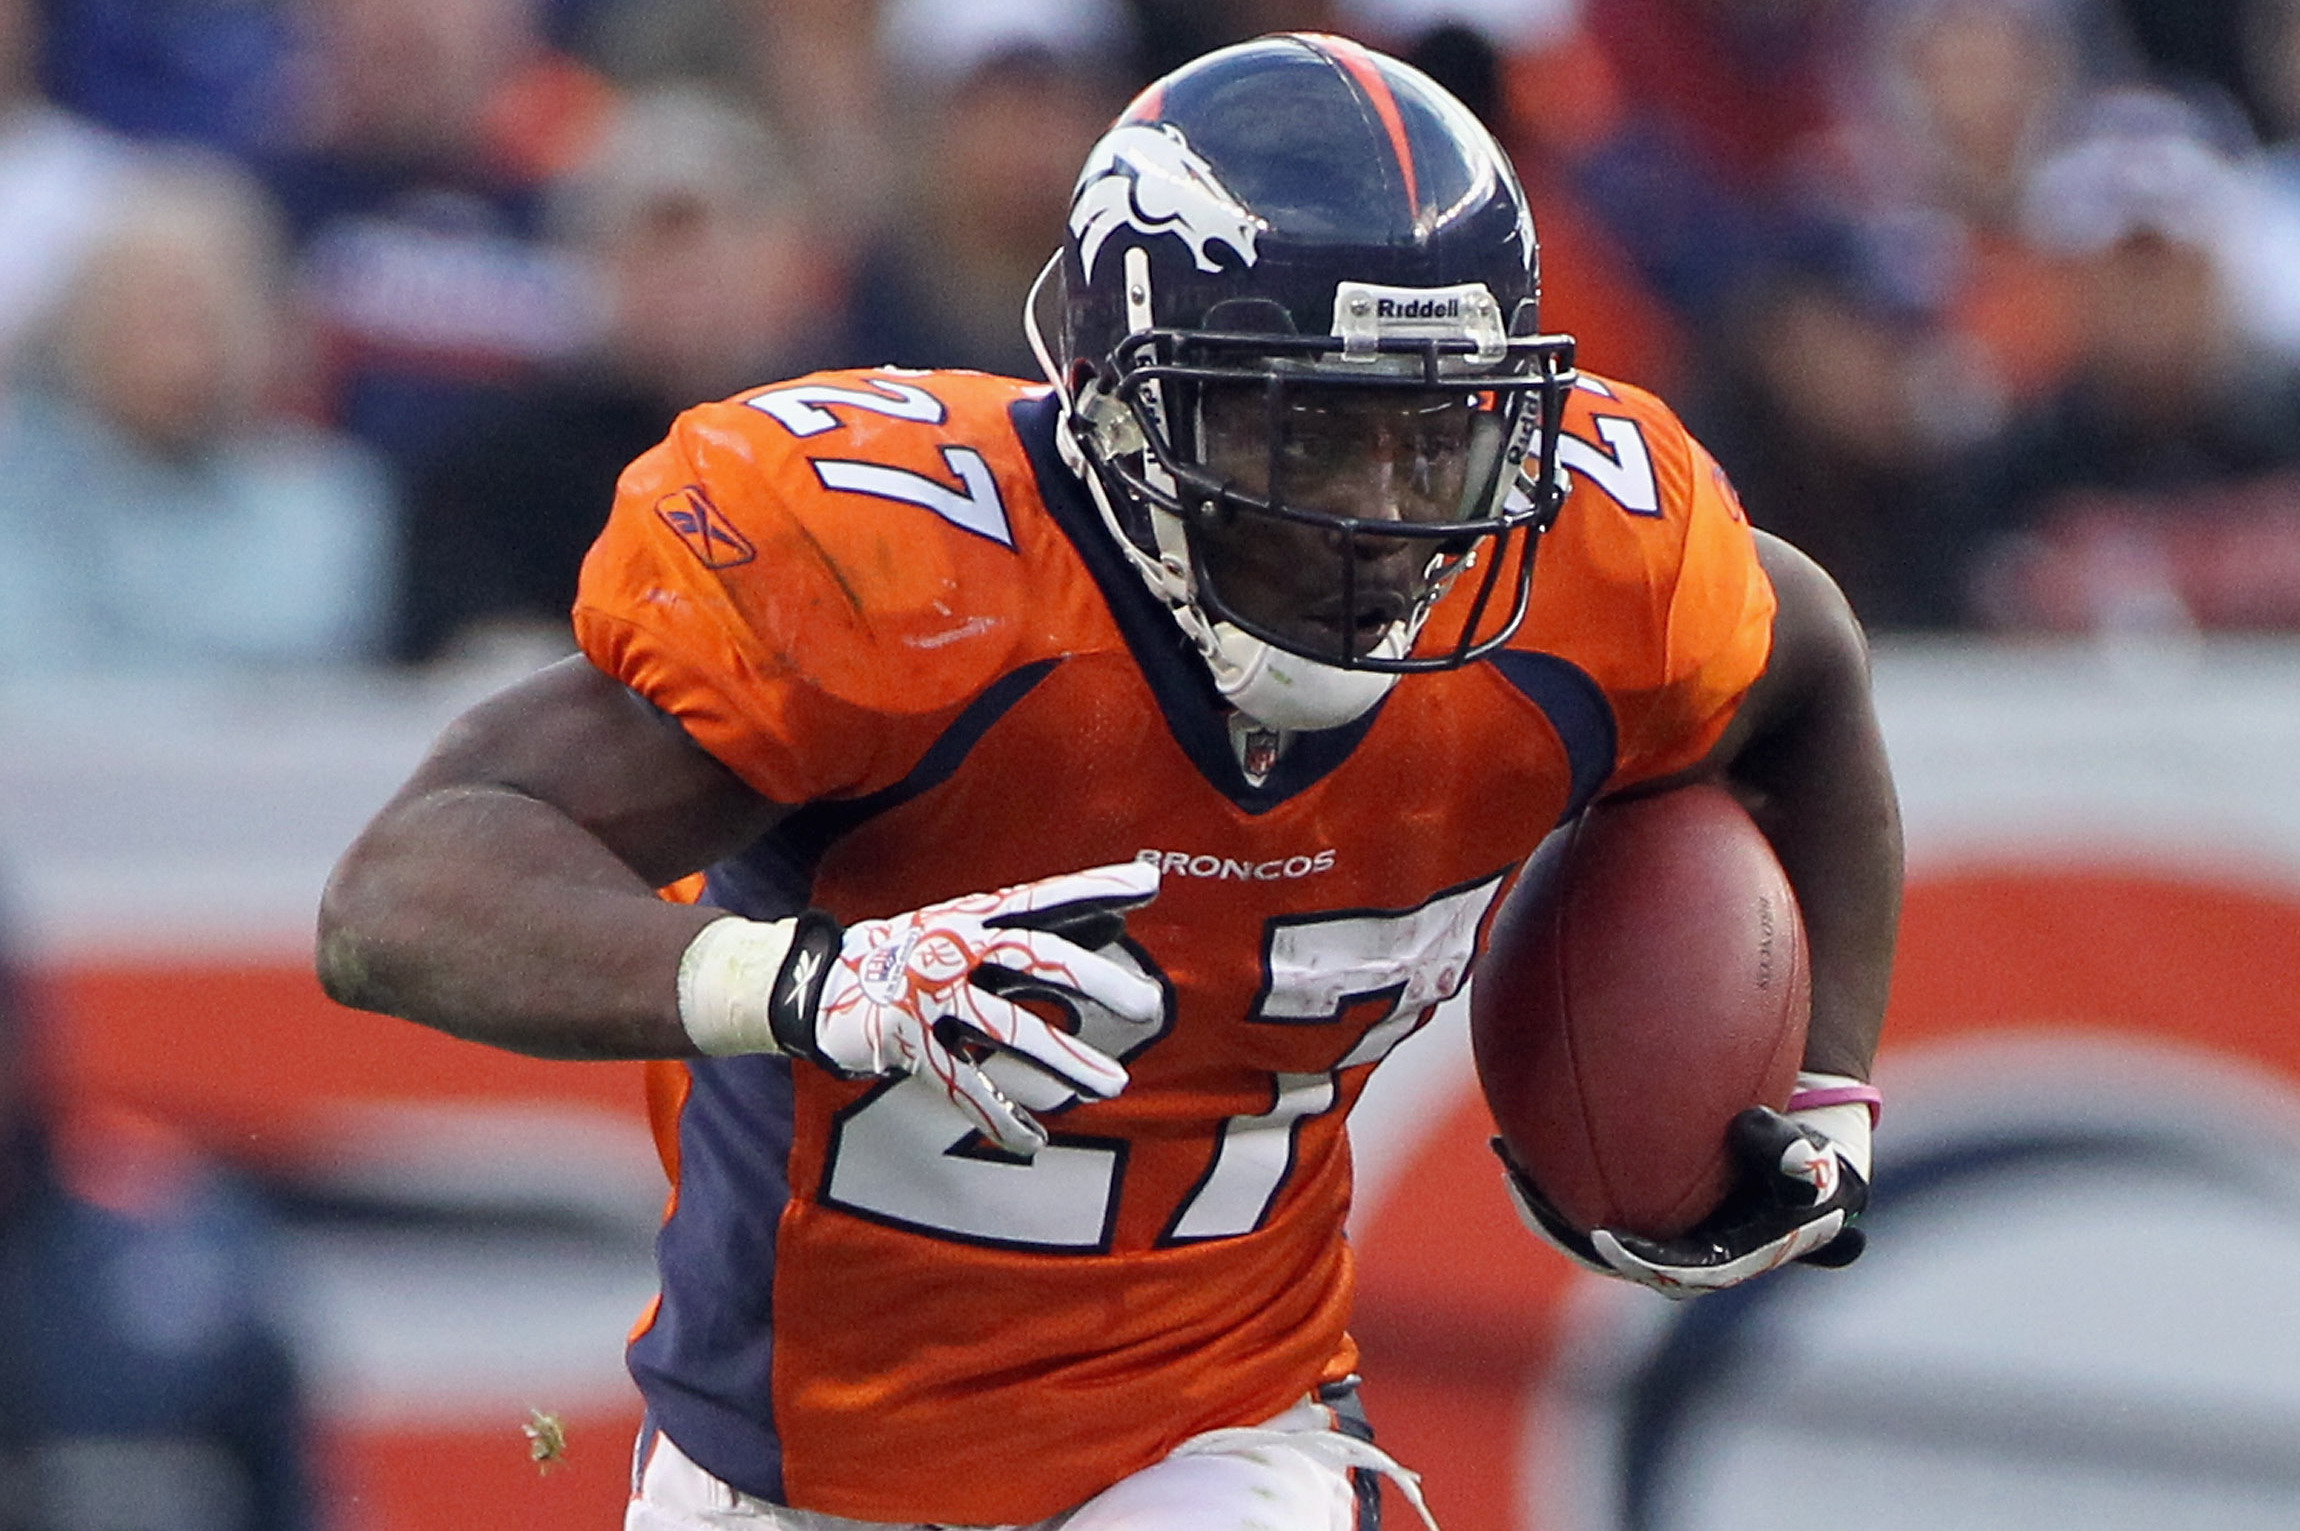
(935, 994)
(1805, 1178)
(1803, 1184)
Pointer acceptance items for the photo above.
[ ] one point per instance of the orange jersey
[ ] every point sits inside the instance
(880, 596)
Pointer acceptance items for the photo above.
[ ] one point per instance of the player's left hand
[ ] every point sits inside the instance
(1806, 1179)
(936, 994)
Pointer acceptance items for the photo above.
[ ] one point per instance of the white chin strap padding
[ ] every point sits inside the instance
(1286, 691)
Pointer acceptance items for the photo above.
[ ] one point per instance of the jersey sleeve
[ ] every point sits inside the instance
(1716, 634)
(816, 644)
(1650, 583)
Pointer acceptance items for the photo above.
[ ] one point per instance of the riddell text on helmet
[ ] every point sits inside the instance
(1417, 308)
(1183, 864)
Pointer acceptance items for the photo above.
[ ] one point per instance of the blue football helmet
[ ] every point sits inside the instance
(1303, 374)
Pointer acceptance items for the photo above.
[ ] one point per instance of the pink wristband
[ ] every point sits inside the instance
(1841, 1095)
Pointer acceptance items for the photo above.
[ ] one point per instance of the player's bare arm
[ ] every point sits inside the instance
(506, 894)
(1807, 757)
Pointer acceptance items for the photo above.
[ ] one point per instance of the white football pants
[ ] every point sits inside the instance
(1291, 1473)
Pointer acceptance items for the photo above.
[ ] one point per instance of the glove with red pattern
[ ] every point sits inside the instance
(935, 994)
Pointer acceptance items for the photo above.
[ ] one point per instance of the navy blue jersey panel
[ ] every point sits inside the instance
(706, 1364)
(1576, 707)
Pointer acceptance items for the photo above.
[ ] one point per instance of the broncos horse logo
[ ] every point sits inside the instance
(1143, 176)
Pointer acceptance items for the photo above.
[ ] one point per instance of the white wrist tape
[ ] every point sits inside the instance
(1842, 1107)
(726, 981)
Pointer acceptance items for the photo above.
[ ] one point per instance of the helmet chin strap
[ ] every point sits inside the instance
(1287, 691)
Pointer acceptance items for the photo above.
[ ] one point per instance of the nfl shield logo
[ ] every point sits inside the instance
(1259, 754)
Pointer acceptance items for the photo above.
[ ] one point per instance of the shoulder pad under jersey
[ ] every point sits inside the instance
(1649, 581)
(871, 535)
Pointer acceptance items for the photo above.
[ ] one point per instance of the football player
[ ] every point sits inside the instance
(1088, 785)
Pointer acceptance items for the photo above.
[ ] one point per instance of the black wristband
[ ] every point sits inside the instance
(798, 990)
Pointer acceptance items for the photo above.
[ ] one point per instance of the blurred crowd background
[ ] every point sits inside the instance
(327, 325)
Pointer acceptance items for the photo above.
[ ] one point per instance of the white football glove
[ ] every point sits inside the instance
(934, 994)
(1807, 1179)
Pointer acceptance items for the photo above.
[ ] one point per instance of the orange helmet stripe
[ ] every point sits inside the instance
(1368, 75)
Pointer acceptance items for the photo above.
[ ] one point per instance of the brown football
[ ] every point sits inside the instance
(1645, 982)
